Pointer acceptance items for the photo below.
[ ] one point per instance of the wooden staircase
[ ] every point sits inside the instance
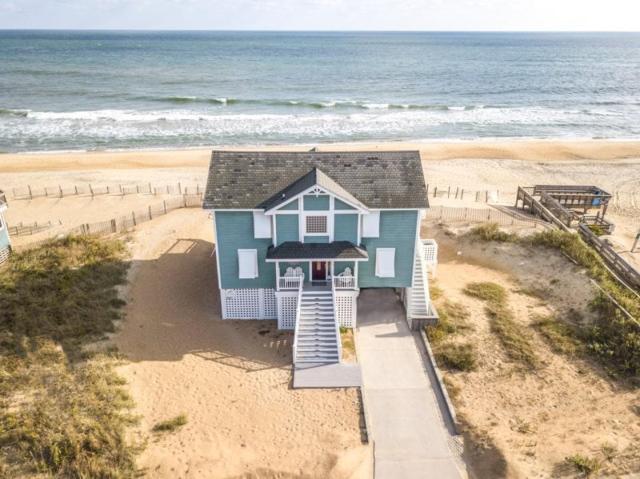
(420, 310)
(317, 335)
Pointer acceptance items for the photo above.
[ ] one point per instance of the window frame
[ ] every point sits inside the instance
(380, 264)
(369, 228)
(254, 253)
(262, 225)
(315, 215)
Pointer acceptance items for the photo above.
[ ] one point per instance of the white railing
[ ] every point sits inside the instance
(344, 282)
(290, 282)
(430, 254)
(335, 321)
(298, 308)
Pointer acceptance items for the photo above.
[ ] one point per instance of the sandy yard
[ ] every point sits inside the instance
(231, 378)
(529, 422)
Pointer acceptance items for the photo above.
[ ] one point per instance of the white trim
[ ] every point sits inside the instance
(274, 239)
(302, 260)
(217, 247)
(316, 190)
(285, 212)
(359, 234)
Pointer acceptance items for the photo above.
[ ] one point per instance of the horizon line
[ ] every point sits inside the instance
(247, 30)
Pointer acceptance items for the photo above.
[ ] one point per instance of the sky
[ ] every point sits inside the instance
(457, 15)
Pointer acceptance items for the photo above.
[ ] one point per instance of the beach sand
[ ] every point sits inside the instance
(530, 150)
(230, 379)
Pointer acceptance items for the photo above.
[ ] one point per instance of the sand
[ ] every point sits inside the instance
(529, 150)
(231, 378)
(530, 422)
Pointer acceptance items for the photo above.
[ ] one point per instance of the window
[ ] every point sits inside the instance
(385, 262)
(261, 225)
(247, 263)
(371, 225)
(316, 225)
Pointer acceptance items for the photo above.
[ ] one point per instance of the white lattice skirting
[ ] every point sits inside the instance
(248, 303)
(4, 254)
(347, 308)
(287, 305)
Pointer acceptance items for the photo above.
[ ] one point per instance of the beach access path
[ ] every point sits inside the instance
(411, 438)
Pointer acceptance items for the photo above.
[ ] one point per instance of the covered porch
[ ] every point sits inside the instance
(309, 266)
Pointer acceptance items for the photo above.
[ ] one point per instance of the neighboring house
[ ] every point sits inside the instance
(299, 233)
(5, 242)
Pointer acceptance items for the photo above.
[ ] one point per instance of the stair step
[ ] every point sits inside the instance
(320, 357)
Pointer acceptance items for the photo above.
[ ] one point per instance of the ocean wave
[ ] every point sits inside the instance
(315, 105)
(10, 112)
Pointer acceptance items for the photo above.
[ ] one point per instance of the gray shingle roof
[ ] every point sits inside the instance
(253, 179)
(294, 250)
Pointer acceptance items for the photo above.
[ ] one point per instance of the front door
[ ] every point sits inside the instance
(318, 271)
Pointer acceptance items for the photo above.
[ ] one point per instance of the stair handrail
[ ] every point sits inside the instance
(425, 279)
(297, 323)
(335, 321)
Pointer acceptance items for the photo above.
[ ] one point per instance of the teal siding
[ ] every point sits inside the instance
(287, 228)
(316, 239)
(316, 203)
(341, 265)
(346, 228)
(397, 230)
(341, 205)
(235, 231)
(291, 206)
(303, 264)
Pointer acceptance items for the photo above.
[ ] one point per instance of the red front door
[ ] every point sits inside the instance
(318, 271)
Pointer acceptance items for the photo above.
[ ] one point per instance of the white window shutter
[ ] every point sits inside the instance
(247, 263)
(261, 225)
(371, 225)
(385, 262)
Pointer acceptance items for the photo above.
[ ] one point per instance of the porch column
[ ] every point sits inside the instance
(355, 273)
(277, 276)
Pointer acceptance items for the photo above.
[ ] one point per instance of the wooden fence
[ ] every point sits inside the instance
(30, 192)
(502, 217)
(22, 229)
(123, 223)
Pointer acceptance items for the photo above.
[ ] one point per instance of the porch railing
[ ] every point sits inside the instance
(344, 282)
(290, 282)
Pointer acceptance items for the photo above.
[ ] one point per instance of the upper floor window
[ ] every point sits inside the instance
(316, 225)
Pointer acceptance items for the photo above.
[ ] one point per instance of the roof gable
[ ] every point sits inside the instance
(257, 180)
(316, 178)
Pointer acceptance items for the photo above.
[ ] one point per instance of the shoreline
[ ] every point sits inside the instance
(532, 150)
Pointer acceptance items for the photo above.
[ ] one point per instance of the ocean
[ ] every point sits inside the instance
(68, 90)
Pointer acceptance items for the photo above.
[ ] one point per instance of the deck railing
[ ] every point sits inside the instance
(290, 282)
(344, 282)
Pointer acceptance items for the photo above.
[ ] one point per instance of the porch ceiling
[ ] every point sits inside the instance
(337, 250)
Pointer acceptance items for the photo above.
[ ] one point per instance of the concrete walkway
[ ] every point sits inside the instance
(412, 438)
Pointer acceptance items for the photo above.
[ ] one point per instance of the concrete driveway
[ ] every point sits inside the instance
(412, 438)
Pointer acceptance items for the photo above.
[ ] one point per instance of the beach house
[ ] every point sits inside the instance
(5, 241)
(298, 234)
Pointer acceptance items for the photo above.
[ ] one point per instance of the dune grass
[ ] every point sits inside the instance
(63, 409)
(170, 425)
(614, 338)
(514, 337)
